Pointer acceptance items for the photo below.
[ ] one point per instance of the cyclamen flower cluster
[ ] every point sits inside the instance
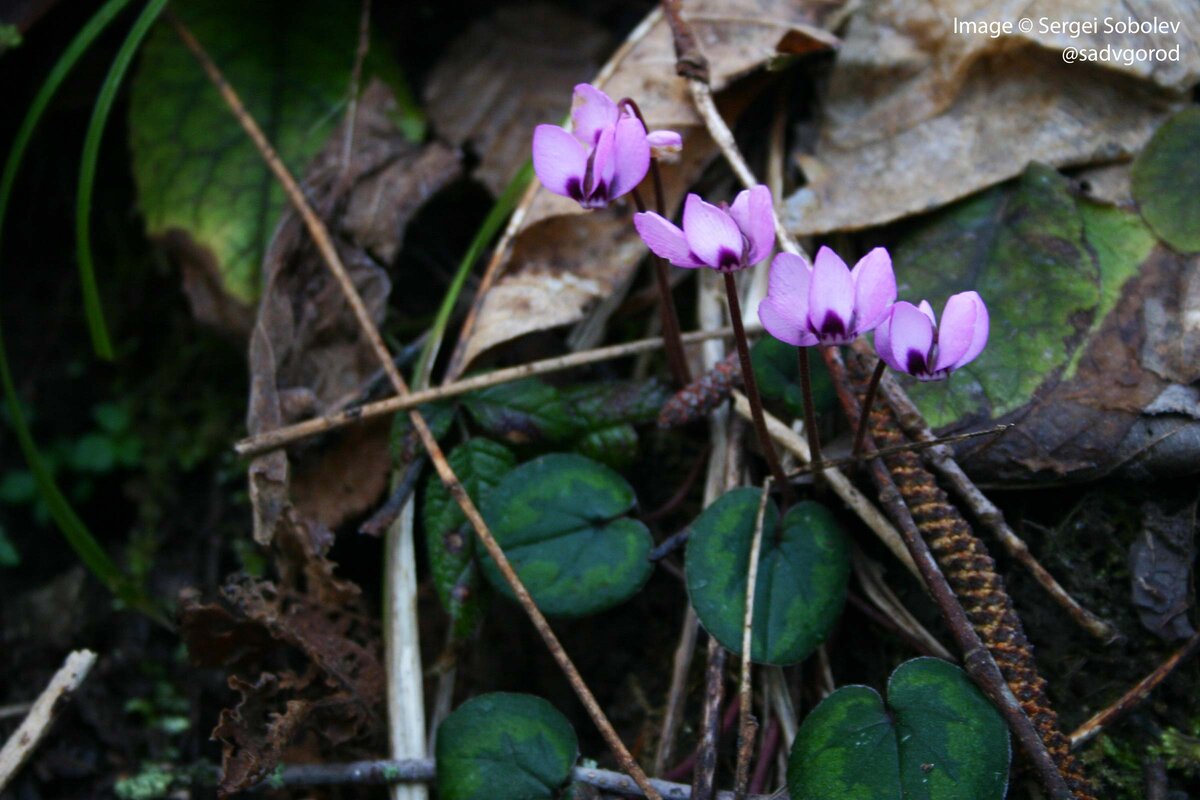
(607, 153)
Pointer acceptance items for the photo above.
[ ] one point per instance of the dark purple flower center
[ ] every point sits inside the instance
(917, 363)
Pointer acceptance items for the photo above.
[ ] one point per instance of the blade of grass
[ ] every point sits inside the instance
(92, 307)
(74, 530)
(487, 231)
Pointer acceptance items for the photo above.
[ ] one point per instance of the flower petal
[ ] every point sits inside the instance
(631, 153)
(909, 337)
(604, 167)
(830, 296)
(927, 310)
(591, 112)
(559, 161)
(883, 346)
(963, 332)
(751, 210)
(784, 311)
(712, 234)
(664, 239)
(874, 289)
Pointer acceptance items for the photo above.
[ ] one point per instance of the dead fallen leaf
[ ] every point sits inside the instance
(504, 75)
(306, 344)
(916, 112)
(1160, 566)
(554, 264)
(316, 658)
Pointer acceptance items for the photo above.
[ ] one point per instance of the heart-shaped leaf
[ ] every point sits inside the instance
(1166, 184)
(938, 739)
(802, 572)
(480, 464)
(504, 747)
(559, 520)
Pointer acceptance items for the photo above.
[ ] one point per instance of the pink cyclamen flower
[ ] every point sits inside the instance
(910, 339)
(604, 156)
(725, 240)
(827, 303)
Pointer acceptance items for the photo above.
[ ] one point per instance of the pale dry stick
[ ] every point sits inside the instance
(368, 773)
(280, 437)
(883, 598)
(402, 653)
(711, 314)
(746, 727)
(775, 685)
(942, 459)
(29, 734)
(1139, 692)
(321, 238)
(854, 499)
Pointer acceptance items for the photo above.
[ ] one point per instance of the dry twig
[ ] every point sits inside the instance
(324, 243)
(280, 437)
(50, 702)
(1140, 691)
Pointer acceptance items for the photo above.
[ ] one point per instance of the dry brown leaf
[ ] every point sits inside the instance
(307, 352)
(504, 75)
(919, 115)
(554, 264)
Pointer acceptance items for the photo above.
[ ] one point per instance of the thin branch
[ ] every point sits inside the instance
(1096, 725)
(706, 754)
(374, 773)
(325, 246)
(746, 726)
(281, 437)
(360, 56)
(25, 739)
(681, 665)
(942, 459)
(978, 661)
(850, 461)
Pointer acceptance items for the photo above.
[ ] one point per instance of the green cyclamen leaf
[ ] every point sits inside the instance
(521, 412)
(559, 521)
(480, 464)
(197, 173)
(938, 739)
(504, 747)
(777, 370)
(803, 570)
(1166, 183)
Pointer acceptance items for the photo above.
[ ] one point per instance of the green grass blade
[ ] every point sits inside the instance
(487, 231)
(87, 175)
(74, 530)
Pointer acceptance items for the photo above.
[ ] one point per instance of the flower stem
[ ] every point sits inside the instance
(868, 403)
(810, 412)
(672, 341)
(756, 409)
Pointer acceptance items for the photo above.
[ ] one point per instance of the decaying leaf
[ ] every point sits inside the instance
(919, 114)
(307, 350)
(1160, 566)
(555, 263)
(303, 658)
(1078, 293)
(504, 75)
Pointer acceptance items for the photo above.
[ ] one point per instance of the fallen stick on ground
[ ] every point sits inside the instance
(45, 710)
